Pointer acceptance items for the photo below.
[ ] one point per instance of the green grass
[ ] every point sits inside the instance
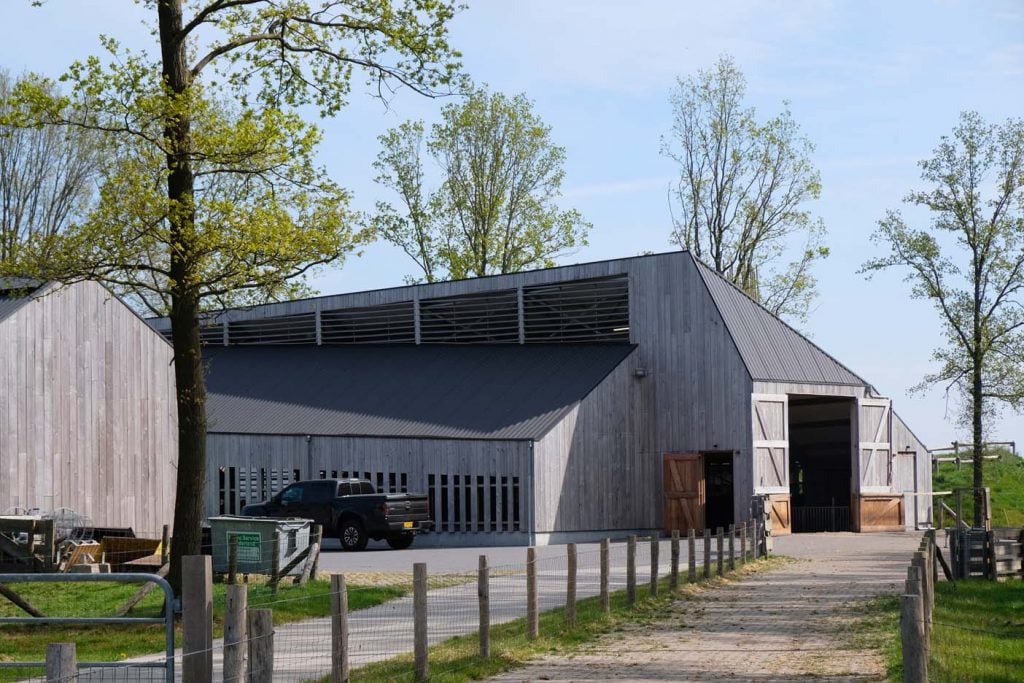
(1005, 478)
(978, 632)
(456, 659)
(117, 642)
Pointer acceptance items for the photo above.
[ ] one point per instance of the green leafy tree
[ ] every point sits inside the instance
(211, 195)
(494, 211)
(742, 189)
(47, 176)
(968, 261)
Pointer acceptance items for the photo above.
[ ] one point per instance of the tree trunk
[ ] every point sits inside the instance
(977, 408)
(188, 366)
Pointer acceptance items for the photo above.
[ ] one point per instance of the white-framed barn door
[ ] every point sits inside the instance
(875, 445)
(771, 443)
(877, 505)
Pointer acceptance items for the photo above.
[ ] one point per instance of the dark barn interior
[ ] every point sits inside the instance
(821, 453)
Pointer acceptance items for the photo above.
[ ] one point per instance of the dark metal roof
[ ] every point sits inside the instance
(772, 350)
(507, 392)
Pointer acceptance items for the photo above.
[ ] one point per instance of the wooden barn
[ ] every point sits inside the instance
(568, 403)
(87, 407)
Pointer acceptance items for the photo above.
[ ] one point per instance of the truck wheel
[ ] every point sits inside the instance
(352, 535)
(401, 542)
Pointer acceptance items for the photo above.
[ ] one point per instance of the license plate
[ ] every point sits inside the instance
(407, 525)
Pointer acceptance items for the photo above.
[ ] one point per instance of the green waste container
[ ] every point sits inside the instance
(256, 542)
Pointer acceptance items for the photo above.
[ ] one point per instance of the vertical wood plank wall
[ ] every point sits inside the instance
(905, 440)
(283, 459)
(694, 396)
(87, 410)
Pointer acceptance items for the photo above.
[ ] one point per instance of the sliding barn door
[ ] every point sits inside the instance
(771, 443)
(685, 494)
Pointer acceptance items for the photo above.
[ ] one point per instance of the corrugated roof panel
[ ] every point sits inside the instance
(772, 350)
(459, 392)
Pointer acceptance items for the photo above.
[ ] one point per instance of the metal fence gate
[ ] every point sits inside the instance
(167, 619)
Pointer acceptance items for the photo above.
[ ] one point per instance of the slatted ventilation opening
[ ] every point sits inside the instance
(385, 324)
(209, 335)
(580, 311)
(288, 329)
(487, 318)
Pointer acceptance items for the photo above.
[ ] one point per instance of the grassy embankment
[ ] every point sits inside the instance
(1005, 479)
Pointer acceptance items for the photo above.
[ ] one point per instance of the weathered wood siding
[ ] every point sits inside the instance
(913, 473)
(87, 410)
(694, 396)
(601, 446)
(479, 489)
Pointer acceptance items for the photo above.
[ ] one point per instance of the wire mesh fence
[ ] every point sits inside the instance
(385, 622)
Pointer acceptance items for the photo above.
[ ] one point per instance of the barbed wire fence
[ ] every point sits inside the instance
(405, 626)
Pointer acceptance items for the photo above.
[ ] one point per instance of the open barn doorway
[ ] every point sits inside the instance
(820, 462)
(718, 478)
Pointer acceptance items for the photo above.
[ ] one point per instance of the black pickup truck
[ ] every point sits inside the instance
(351, 510)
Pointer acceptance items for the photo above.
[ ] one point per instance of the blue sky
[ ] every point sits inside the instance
(873, 84)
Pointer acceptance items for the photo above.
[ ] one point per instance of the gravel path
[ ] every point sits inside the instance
(779, 625)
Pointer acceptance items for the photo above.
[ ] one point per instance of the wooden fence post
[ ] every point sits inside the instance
(631, 570)
(275, 561)
(339, 629)
(673, 581)
(419, 629)
(925, 574)
(915, 657)
(261, 646)
(532, 612)
(743, 543)
(236, 602)
(570, 585)
(655, 550)
(606, 602)
(707, 540)
(483, 591)
(197, 618)
(232, 560)
(309, 567)
(61, 663)
(691, 556)
(719, 547)
(732, 547)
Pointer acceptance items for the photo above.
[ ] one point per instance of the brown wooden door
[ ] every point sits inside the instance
(684, 491)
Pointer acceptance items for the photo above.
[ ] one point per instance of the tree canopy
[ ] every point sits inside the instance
(968, 262)
(210, 193)
(494, 210)
(48, 176)
(739, 203)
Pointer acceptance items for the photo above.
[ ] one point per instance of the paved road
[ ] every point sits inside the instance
(853, 565)
(782, 625)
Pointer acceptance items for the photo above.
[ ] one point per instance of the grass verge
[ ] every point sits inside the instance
(876, 626)
(456, 659)
(118, 642)
(977, 633)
